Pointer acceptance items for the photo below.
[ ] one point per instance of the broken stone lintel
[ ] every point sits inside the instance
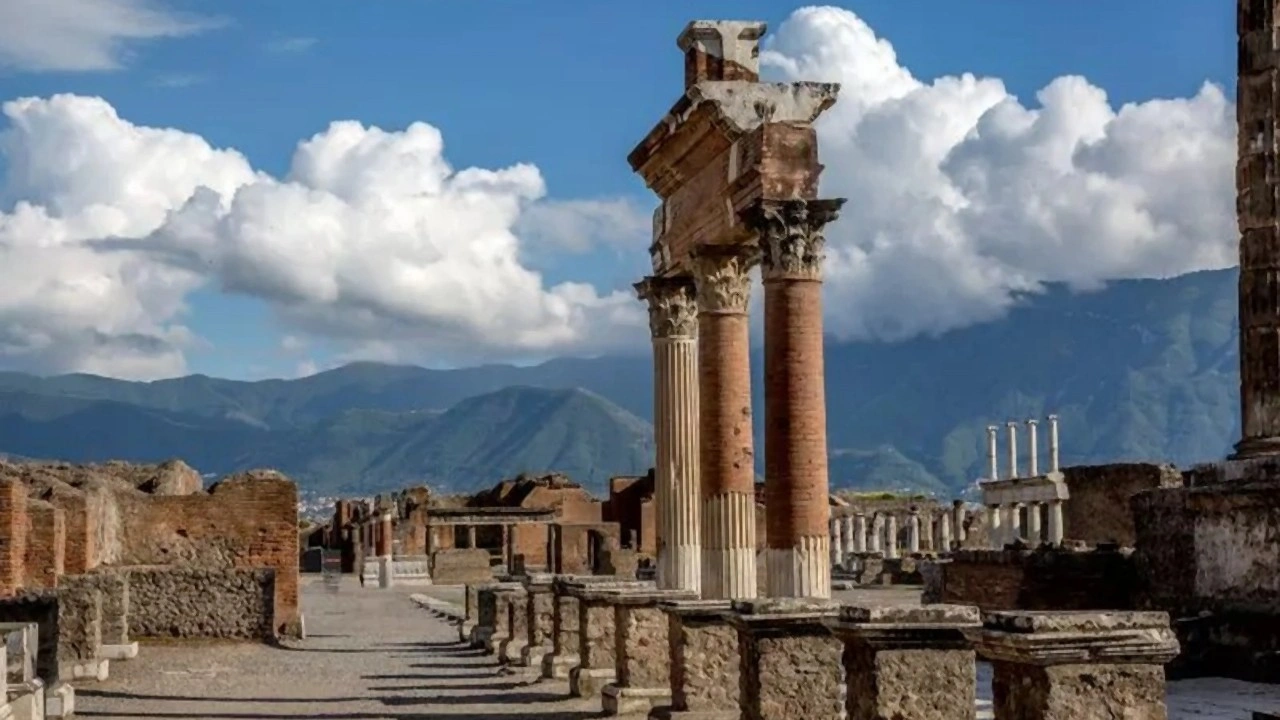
(1047, 638)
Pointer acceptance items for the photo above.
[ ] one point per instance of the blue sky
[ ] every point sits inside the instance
(567, 85)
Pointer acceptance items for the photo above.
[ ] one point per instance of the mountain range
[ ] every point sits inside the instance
(1139, 370)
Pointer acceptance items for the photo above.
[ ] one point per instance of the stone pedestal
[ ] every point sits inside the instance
(384, 572)
(909, 663)
(642, 660)
(597, 635)
(564, 632)
(471, 614)
(704, 659)
(498, 624)
(790, 663)
(517, 627)
(1077, 665)
(539, 609)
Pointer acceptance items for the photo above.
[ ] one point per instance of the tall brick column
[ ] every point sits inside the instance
(795, 441)
(727, 456)
(673, 323)
(1259, 220)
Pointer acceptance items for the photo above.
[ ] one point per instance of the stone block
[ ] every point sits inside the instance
(908, 663)
(642, 657)
(597, 633)
(21, 646)
(564, 635)
(790, 663)
(26, 701)
(517, 627)
(704, 659)
(504, 596)
(41, 609)
(79, 626)
(1077, 665)
(539, 608)
(60, 701)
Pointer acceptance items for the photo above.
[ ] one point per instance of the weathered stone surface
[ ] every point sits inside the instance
(790, 663)
(564, 635)
(187, 602)
(703, 647)
(539, 621)
(597, 647)
(40, 608)
(79, 618)
(1078, 692)
(909, 663)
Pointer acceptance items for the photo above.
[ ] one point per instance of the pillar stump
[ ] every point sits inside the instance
(642, 659)
(539, 609)
(502, 596)
(704, 658)
(517, 628)
(486, 615)
(909, 663)
(471, 614)
(1077, 665)
(790, 663)
(564, 632)
(597, 635)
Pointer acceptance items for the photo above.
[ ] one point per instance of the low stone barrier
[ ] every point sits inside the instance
(465, 566)
(188, 603)
(411, 570)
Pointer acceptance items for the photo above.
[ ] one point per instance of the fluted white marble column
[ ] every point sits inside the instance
(913, 533)
(1055, 522)
(1033, 524)
(876, 537)
(960, 532)
(673, 324)
(1033, 462)
(837, 540)
(891, 536)
(1015, 522)
(1013, 448)
(944, 533)
(993, 458)
(859, 533)
(996, 516)
(848, 536)
(1053, 443)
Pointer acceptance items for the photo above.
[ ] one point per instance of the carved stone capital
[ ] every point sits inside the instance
(673, 312)
(723, 278)
(791, 236)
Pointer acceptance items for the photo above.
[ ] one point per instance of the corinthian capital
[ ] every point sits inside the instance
(723, 277)
(672, 310)
(791, 236)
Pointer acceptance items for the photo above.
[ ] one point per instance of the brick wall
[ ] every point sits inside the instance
(82, 529)
(1098, 511)
(573, 546)
(249, 520)
(13, 535)
(44, 560)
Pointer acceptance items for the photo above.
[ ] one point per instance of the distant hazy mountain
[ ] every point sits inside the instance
(1141, 370)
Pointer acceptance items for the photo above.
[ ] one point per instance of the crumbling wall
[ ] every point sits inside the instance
(13, 535)
(44, 559)
(249, 520)
(573, 554)
(188, 602)
(1043, 579)
(461, 567)
(1098, 511)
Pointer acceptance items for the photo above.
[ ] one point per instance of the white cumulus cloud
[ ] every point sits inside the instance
(960, 196)
(371, 239)
(77, 35)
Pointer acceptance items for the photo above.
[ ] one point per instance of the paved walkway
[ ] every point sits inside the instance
(375, 655)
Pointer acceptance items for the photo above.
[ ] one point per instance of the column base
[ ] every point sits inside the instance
(668, 713)
(588, 682)
(531, 656)
(494, 643)
(95, 669)
(510, 649)
(127, 651)
(799, 571)
(632, 701)
(1251, 448)
(558, 667)
(60, 701)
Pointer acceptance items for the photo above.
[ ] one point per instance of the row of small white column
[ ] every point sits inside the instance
(1033, 460)
(1006, 523)
(851, 534)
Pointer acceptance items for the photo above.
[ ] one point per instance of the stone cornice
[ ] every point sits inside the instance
(791, 236)
(673, 311)
(1049, 638)
(723, 278)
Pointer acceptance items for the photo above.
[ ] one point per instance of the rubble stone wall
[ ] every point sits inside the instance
(188, 603)
(79, 617)
(1040, 580)
(461, 567)
(245, 521)
(1098, 511)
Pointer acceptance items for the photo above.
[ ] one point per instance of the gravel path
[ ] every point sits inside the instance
(371, 655)
(375, 655)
